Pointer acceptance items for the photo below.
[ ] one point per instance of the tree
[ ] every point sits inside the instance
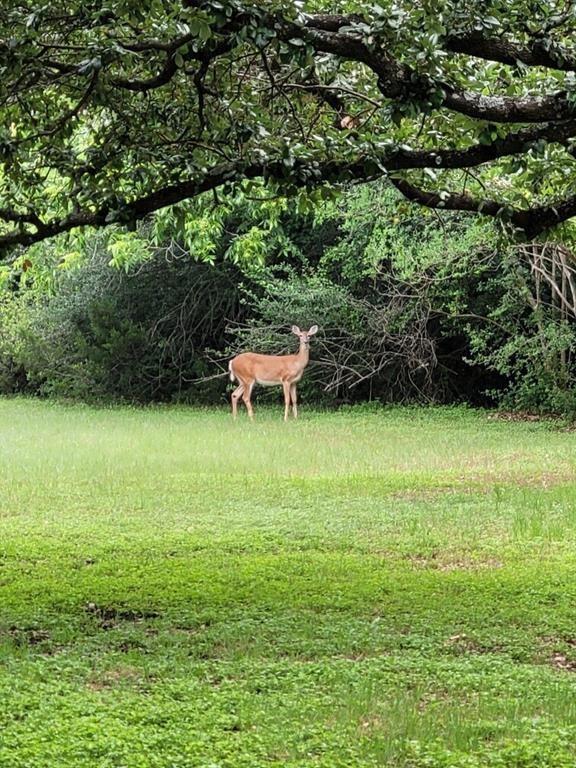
(111, 111)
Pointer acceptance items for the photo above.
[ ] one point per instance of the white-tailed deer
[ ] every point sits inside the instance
(269, 370)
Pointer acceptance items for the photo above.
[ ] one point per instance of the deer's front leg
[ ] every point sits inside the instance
(294, 398)
(286, 385)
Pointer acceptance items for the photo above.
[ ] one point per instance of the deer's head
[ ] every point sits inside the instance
(304, 336)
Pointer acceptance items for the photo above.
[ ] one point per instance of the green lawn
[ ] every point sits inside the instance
(359, 588)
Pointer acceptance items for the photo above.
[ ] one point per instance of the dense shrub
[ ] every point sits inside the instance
(528, 339)
(102, 333)
(14, 325)
(371, 347)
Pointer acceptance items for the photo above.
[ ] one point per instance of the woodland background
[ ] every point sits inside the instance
(414, 306)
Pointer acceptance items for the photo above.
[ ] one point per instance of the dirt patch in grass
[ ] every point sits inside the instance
(109, 616)
(447, 563)
(519, 416)
(484, 482)
(114, 677)
(426, 494)
(131, 644)
(23, 636)
(191, 631)
(464, 644)
(555, 655)
(372, 723)
(560, 661)
(495, 480)
(544, 480)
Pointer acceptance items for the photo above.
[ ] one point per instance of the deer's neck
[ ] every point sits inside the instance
(303, 354)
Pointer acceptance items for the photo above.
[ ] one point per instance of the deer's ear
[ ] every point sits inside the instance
(313, 330)
(296, 330)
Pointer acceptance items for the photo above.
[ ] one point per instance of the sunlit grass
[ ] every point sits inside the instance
(361, 587)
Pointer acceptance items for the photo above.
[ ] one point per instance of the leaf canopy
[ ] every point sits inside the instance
(111, 111)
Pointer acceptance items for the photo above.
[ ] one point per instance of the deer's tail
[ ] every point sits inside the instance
(231, 369)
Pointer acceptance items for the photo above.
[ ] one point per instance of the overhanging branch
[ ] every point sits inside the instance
(313, 173)
(531, 221)
(538, 53)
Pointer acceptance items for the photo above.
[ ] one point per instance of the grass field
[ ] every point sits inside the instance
(359, 588)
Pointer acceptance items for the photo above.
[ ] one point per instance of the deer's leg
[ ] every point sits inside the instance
(286, 386)
(246, 397)
(294, 398)
(236, 395)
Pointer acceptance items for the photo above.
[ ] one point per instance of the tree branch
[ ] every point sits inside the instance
(365, 167)
(398, 81)
(538, 53)
(531, 221)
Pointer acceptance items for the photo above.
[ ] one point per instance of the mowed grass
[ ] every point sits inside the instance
(359, 588)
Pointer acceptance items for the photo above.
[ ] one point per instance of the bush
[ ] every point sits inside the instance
(140, 336)
(376, 347)
(14, 328)
(529, 342)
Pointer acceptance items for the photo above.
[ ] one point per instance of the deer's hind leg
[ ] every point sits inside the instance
(246, 393)
(236, 395)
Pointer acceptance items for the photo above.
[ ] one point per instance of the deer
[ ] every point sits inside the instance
(250, 368)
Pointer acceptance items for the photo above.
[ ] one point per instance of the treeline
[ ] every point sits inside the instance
(413, 307)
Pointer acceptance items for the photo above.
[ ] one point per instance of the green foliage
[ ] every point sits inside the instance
(530, 347)
(134, 334)
(113, 112)
(385, 282)
(14, 329)
(412, 307)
